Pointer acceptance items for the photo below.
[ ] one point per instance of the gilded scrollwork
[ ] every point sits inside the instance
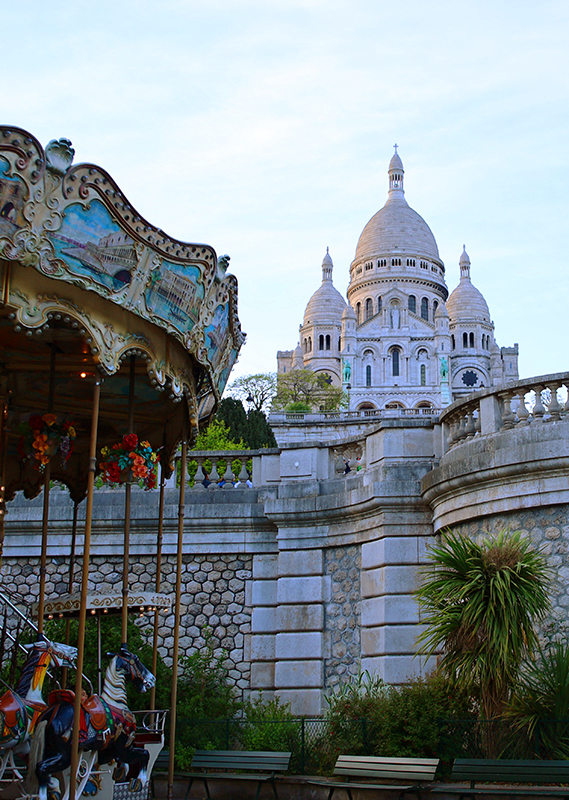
(73, 224)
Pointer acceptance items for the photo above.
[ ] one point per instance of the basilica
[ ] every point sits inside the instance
(400, 341)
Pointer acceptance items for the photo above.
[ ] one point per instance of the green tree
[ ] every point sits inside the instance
(302, 389)
(217, 436)
(257, 390)
(480, 602)
(252, 428)
(259, 432)
(232, 413)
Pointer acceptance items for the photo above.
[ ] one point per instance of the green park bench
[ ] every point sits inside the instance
(227, 765)
(414, 771)
(538, 773)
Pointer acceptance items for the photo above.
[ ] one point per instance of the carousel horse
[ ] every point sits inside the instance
(106, 726)
(21, 708)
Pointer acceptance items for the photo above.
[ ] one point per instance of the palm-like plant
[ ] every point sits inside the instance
(480, 604)
(541, 700)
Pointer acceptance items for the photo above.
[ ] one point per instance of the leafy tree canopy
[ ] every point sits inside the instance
(252, 428)
(257, 390)
(302, 389)
(217, 436)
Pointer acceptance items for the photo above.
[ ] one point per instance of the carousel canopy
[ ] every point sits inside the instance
(88, 288)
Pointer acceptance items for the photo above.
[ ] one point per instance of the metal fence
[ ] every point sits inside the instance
(502, 738)
(316, 743)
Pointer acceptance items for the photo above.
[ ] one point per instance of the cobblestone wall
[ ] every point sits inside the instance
(342, 622)
(549, 530)
(213, 597)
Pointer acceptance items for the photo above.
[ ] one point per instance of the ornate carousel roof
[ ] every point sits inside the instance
(89, 288)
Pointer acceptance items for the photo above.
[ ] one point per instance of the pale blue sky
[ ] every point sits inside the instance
(265, 129)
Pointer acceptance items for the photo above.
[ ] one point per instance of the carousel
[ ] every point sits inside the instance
(116, 344)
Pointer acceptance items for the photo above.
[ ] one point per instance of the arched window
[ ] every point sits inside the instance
(424, 308)
(321, 342)
(465, 340)
(327, 341)
(368, 375)
(379, 305)
(423, 375)
(305, 343)
(452, 341)
(471, 337)
(369, 308)
(435, 306)
(359, 312)
(339, 344)
(412, 303)
(310, 344)
(395, 362)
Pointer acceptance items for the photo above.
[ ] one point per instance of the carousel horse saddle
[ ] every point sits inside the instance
(96, 716)
(12, 705)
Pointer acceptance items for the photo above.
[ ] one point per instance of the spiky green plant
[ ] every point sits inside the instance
(480, 602)
(541, 699)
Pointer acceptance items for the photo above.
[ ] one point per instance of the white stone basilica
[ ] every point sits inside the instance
(399, 342)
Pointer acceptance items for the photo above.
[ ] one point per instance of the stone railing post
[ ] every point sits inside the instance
(490, 415)
(554, 408)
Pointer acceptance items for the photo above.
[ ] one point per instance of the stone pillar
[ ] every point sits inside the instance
(300, 622)
(389, 612)
(263, 623)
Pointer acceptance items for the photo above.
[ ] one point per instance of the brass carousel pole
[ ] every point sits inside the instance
(70, 582)
(159, 538)
(174, 694)
(127, 492)
(3, 448)
(84, 587)
(45, 516)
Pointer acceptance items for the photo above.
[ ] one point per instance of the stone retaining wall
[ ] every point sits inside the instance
(213, 599)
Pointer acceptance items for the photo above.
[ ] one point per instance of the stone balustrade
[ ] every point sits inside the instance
(233, 467)
(348, 416)
(528, 402)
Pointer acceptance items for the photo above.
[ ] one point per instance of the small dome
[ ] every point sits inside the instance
(348, 312)
(464, 258)
(396, 162)
(466, 303)
(326, 304)
(441, 311)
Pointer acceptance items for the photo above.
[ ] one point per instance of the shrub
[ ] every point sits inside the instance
(404, 720)
(269, 726)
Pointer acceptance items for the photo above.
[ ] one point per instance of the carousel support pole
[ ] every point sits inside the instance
(180, 543)
(99, 657)
(127, 492)
(70, 582)
(158, 579)
(84, 587)
(3, 448)
(45, 515)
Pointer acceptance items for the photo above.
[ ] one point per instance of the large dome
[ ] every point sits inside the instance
(397, 228)
(466, 303)
(326, 304)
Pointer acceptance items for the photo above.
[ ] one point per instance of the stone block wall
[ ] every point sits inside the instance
(213, 599)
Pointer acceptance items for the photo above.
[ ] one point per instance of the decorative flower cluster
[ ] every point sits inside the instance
(43, 435)
(129, 458)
